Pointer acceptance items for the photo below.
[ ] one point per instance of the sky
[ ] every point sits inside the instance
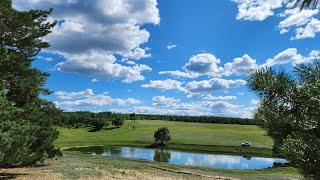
(180, 57)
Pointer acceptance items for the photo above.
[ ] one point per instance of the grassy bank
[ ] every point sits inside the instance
(82, 166)
(221, 138)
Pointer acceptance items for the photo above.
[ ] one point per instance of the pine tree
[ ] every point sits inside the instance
(26, 127)
(289, 111)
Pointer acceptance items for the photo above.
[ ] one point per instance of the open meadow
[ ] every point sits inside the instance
(189, 136)
(181, 132)
(223, 138)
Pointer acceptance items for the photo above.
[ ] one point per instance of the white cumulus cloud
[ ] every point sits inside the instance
(209, 97)
(257, 10)
(98, 63)
(88, 99)
(240, 65)
(304, 23)
(74, 95)
(113, 26)
(167, 84)
(164, 101)
(204, 63)
(211, 85)
(171, 46)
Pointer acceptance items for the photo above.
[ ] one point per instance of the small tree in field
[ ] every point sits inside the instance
(162, 136)
(118, 122)
(133, 120)
(97, 124)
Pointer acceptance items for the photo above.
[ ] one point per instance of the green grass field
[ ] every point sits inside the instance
(181, 133)
(220, 138)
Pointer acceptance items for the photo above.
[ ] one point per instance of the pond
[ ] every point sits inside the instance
(178, 157)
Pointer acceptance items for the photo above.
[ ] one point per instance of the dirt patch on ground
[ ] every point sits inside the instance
(147, 175)
(36, 173)
(28, 173)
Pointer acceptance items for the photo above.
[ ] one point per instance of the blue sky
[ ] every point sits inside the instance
(171, 56)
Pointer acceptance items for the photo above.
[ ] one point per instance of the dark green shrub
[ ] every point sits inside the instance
(162, 136)
(97, 124)
(118, 122)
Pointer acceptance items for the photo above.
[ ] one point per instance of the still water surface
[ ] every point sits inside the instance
(185, 158)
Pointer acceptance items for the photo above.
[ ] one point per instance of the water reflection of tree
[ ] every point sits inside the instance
(162, 156)
(247, 157)
(90, 149)
(115, 151)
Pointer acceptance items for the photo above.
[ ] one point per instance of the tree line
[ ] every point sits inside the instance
(200, 119)
(97, 121)
(84, 119)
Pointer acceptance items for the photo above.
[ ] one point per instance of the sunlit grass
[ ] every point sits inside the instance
(181, 133)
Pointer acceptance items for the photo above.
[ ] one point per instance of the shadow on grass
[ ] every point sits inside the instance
(156, 145)
(94, 130)
(10, 175)
(106, 129)
(111, 128)
(6, 175)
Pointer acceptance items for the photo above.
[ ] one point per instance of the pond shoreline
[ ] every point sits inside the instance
(217, 149)
(181, 157)
(74, 165)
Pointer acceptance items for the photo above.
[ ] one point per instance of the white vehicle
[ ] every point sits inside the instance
(246, 144)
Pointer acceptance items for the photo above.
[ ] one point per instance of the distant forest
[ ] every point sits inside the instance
(99, 120)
